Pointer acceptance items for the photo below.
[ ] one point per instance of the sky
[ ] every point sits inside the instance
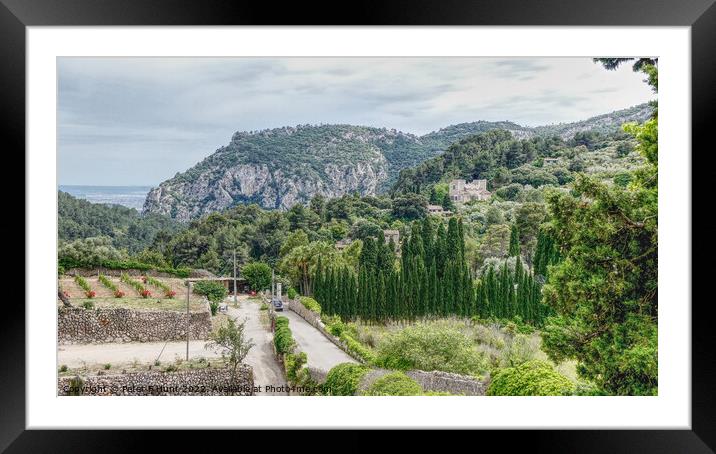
(139, 121)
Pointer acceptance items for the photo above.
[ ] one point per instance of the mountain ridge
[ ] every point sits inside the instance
(279, 167)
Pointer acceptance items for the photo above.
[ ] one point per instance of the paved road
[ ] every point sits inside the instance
(267, 370)
(322, 353)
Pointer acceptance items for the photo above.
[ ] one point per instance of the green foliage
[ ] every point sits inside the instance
(283, 337)
(343, 379)
(258, 275)
(291, 293)
(63, 368)
(427, 347)
(89, 305)
(232, 341)
(124, 228)
(394, 384)
(214, 291)
(82, 282)
(533, 378)
(138, 286)
(310, 304)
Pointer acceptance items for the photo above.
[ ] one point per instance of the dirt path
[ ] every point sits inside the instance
(322, 353)
(143, 352)
(267, 370)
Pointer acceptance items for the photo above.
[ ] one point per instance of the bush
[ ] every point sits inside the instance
(214, 291)
(263, 307)
(89, 305)
(310, 304)
(283, 337)
(357, 348)
(343, 379)
(430, 348)
(533, 378)
(258, 275)
(394, 384)
(291, 293)
(213, 307)
(107, 366)
(63, 368)
(89, 293)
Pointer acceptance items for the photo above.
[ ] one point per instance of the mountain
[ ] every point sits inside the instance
(277, 168)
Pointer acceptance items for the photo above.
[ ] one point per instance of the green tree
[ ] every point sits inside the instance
(231, 340)
(257, 274)
(514, 241)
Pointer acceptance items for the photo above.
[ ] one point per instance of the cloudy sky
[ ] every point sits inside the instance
(138, 121)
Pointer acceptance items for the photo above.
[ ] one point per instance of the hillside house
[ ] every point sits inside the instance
(437, 210)
(462, 192)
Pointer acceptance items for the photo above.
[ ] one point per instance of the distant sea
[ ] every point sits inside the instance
(129, 196)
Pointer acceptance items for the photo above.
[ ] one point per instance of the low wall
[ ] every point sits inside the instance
(78, 325)
(196, 382)
(447, 382)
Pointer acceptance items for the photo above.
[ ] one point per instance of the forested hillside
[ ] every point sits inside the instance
(125, 227)
(278, 168)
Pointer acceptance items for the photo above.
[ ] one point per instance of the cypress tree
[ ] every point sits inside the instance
(514, 250)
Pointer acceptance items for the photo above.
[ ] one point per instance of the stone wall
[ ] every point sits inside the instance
(196, 382)
(77, 325)
(447, 382)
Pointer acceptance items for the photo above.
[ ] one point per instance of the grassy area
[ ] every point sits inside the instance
(135, 366)
(499, 345)
(138, 303)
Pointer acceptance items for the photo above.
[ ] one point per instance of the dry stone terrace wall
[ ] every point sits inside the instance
(77, 325)
(447, 382)
(197, 382)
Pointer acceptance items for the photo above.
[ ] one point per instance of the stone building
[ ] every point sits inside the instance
(394, 235)
(437, 210)
(461, 191)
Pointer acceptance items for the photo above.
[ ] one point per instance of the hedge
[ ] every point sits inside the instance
(310, 304)
(66, 263)
(283, 337)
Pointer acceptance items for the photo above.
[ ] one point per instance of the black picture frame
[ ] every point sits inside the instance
(700, 15)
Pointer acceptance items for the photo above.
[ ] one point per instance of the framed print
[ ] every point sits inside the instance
(430, 217)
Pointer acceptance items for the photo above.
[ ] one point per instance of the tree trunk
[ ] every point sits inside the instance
(64, 299)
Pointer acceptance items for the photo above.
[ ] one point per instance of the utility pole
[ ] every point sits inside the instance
(235, 276)
(188, 292)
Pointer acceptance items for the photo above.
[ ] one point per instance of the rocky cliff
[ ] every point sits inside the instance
(278, 168)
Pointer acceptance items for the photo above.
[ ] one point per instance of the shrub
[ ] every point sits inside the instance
(63, 368)
(214, 291)
(168, 292)
(76, 384)
(138, 286)
(88, 305)
(89, 293)
(104, 280)
(213, 307)
(343, 379)
(291, 293)
(283, 337)
(358, 349)
(533, 378)
(107, 366)
(311, 304)
(394, 384)
(232, 340)
(263, 307)
(430, 348)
